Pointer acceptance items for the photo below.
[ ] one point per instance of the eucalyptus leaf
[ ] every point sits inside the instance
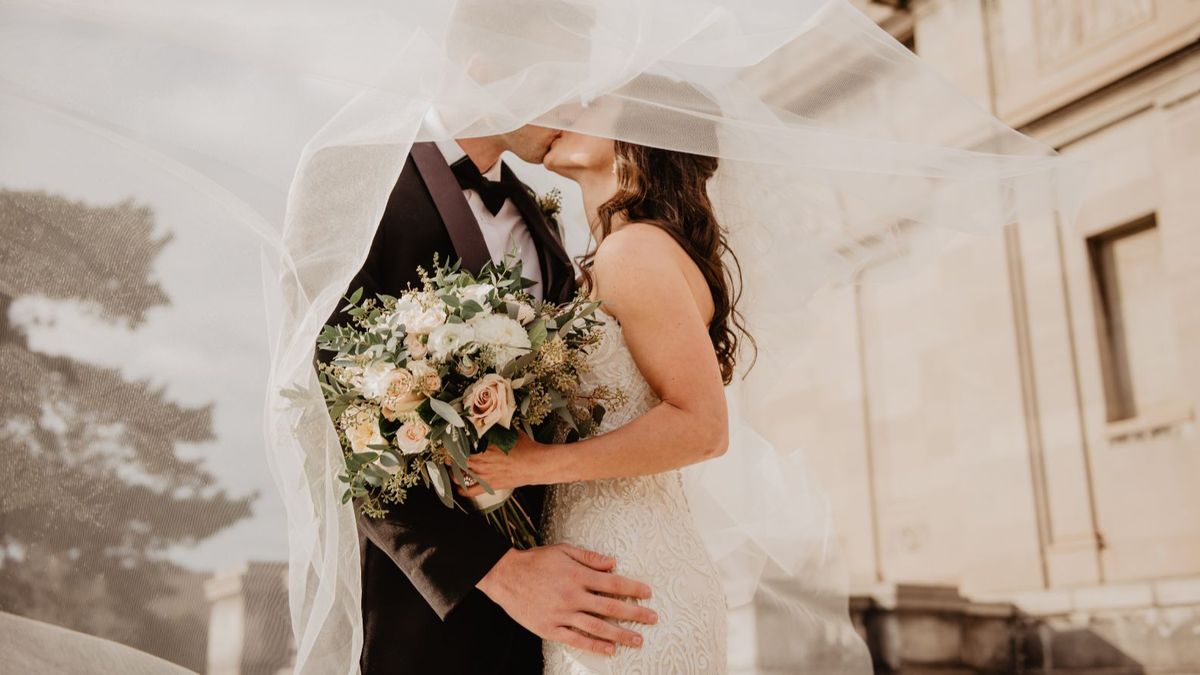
(441, 483)
(456, 445)
(447, 412)
(567, 417)
(537, 333)
(505, 439)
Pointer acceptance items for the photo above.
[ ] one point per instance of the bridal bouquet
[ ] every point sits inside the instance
(421, 381)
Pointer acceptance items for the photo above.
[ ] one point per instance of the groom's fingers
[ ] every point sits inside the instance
(613, 584)
(578, 640)
(611, 608)
(605, 630)
(596, 561)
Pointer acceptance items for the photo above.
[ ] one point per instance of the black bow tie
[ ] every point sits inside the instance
(493, 192)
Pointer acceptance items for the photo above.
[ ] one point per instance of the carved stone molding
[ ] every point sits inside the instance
(1065, 28)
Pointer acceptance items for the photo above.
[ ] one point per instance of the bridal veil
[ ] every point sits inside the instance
(273, 133)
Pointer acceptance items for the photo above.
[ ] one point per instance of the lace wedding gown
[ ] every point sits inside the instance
(646, 524)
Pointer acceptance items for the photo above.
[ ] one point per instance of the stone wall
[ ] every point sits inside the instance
(1018, 419)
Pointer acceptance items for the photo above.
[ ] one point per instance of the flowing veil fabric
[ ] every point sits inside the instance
(288, 122)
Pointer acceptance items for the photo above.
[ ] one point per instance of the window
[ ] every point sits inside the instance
(1136, 330)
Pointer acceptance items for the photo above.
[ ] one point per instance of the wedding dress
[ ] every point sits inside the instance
(646, 524)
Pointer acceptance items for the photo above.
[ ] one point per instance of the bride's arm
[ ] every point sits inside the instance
(645, 288)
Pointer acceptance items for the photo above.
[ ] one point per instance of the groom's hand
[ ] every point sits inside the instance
(559, 593)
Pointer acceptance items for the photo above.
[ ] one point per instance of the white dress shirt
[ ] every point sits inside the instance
(504, 230)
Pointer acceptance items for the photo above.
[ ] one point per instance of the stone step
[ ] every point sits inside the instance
(933, 630)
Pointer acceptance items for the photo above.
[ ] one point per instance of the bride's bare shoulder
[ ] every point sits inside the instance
(636, 258)
(636, 248)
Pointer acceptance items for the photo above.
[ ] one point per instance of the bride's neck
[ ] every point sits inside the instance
(597, 188)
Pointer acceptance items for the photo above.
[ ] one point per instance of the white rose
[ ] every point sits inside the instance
(375, 378)
(449, 338)
(412, 437)
(427, 321)
(506, 337)
(416, 348)
(478, 293)
(489, 402)
(405, 311)
(525, 314)
(417, 320)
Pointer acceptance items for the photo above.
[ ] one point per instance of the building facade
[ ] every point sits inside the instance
(1017, 421)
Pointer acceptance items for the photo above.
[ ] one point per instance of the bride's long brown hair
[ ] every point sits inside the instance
(669, 189)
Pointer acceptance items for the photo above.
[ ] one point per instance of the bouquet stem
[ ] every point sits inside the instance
(509, 518)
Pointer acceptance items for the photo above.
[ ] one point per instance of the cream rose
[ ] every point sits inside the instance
(412, 437)
(525, 314)
(489, 402)
(361, 427)
(468, 368)
(428, 381)
(400, 396)
(416, 348)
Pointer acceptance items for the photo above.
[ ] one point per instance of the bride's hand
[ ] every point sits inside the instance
(501, 470)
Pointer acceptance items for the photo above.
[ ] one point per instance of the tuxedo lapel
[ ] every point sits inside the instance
(452, 206)
(558, 274)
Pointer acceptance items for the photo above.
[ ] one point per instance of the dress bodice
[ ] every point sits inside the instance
(645, 523)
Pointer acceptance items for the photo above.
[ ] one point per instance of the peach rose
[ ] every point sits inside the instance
(490, 401)
(399, 397)
(412, 437)
(427, 379)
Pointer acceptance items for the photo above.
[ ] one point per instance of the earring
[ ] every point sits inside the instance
(614, 169)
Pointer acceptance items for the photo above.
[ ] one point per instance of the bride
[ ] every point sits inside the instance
(662, 269)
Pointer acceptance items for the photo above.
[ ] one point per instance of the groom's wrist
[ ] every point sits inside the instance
(492, 583)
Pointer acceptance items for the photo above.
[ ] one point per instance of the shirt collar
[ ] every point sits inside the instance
(453, 152)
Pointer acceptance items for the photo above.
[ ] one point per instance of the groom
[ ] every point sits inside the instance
(442, 592)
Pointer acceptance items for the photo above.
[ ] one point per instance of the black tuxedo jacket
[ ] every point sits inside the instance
(421, 610)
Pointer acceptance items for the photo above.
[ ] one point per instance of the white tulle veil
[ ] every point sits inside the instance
(289, 122)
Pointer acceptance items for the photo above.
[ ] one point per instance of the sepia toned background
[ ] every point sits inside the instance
(1008, 434)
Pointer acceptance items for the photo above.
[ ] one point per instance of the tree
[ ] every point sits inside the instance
(94, 489)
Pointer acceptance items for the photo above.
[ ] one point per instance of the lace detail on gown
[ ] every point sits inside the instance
(645, 522)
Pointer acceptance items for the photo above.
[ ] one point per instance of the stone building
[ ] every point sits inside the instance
(1009, 436)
